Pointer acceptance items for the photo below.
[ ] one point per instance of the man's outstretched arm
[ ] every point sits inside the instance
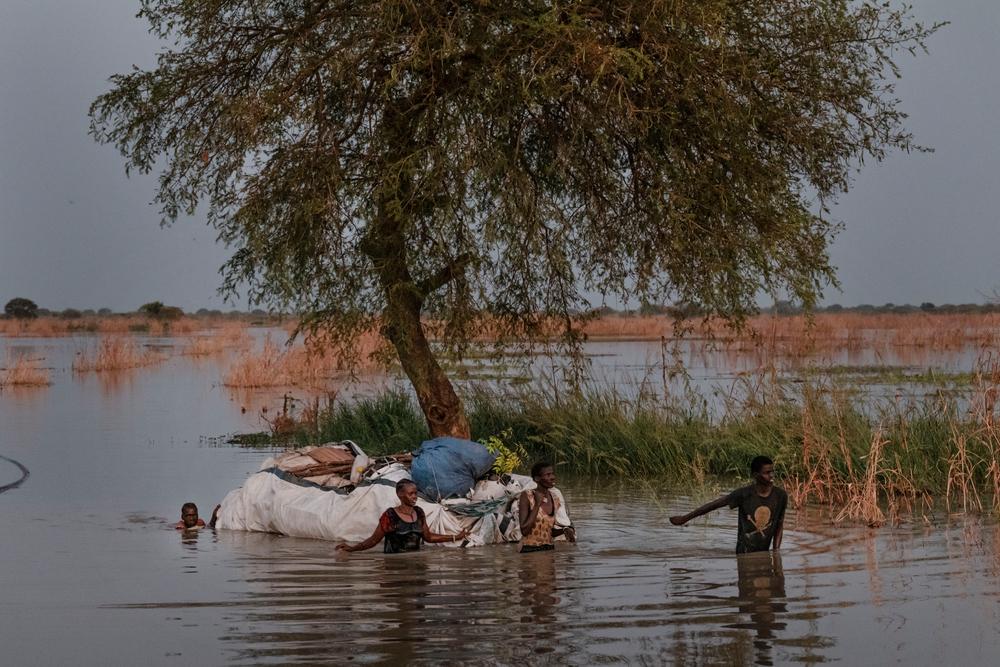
(704, 509)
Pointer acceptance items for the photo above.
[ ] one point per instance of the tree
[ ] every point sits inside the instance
(435, 168)
(161, 312)
(21, 308)
(152, 309)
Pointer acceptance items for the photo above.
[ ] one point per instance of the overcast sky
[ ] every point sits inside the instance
(74, 232)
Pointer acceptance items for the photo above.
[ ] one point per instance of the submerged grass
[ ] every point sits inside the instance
(311, 364)
(23, 372)
(114, 353)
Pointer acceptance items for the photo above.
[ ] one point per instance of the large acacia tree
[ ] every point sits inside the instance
(409, 164)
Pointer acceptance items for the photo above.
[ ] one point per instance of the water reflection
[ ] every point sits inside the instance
(91, 554)
(111, 384)
(400, 582)
(537, 578)
(762, 599)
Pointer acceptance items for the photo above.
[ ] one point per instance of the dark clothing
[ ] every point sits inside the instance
(759, 517)
(528, 548)
(402, 535)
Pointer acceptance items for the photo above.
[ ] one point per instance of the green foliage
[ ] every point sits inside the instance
(152, 309)
(384, 165)
(387, 423)
(159, 311)
(510, 457)
(21, 308)
(505, 157)
(818, 433)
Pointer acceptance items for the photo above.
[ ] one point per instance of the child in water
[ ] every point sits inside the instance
(190, 519)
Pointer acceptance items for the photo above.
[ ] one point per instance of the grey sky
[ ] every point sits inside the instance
(74, 232)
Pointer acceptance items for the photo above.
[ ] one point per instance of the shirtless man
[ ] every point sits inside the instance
(761, 508)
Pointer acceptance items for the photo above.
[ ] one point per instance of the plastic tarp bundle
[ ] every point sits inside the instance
(275, 501)
(449, 467)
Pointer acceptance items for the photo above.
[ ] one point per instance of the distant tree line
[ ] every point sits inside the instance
(24, 309)
(789, 308)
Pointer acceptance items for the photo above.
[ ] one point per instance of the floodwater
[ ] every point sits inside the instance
(91, 573)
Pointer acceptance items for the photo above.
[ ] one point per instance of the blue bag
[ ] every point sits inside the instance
(445, 467)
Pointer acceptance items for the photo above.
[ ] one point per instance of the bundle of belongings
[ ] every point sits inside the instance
(335, 492)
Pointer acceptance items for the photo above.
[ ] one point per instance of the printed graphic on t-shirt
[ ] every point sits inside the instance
(759, 517)
(761, 521)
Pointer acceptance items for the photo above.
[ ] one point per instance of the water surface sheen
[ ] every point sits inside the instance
(91, 572)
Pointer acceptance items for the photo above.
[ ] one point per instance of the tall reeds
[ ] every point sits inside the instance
(23, 372)
(114, 353)
(49, 327)
(794, 335)
(311, 364)
(874, 460)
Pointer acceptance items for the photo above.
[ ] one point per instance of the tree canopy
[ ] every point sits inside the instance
(21, 308)
(408, 164)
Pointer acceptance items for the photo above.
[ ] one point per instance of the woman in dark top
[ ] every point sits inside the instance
(403, 526)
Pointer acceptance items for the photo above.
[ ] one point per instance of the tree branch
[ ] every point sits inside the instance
(445, 274)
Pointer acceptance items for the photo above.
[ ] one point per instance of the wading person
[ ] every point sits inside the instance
(190, 519)
(403, 527)
(761, 507)
(536, 510)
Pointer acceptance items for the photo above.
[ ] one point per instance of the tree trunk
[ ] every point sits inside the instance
(441, 406)
(385, 245)
(401, 325)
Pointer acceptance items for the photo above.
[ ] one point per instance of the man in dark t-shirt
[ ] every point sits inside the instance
(761, 508)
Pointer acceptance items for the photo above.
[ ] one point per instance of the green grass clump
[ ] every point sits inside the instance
(820, 438)
(386, 423)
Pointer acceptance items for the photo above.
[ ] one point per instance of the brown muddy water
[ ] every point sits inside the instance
(91, 573)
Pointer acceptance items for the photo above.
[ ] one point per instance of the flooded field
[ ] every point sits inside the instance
(92, 573)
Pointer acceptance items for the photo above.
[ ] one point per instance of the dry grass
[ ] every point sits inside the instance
(946, 448)
(792, 335)
(114, 353)
(786, 336)
(204, 346)
(311, 364)
(863, 496)
(50, 327)
(23, 372)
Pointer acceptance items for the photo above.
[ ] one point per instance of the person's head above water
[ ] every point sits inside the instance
(762, 470)
(544, 474)
(189, 515)
(406, 490)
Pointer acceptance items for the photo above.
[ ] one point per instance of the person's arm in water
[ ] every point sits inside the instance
(704, 509)
(779, 527)
(215, 516)
(375, 538)
(434, 538)
(568, 531)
